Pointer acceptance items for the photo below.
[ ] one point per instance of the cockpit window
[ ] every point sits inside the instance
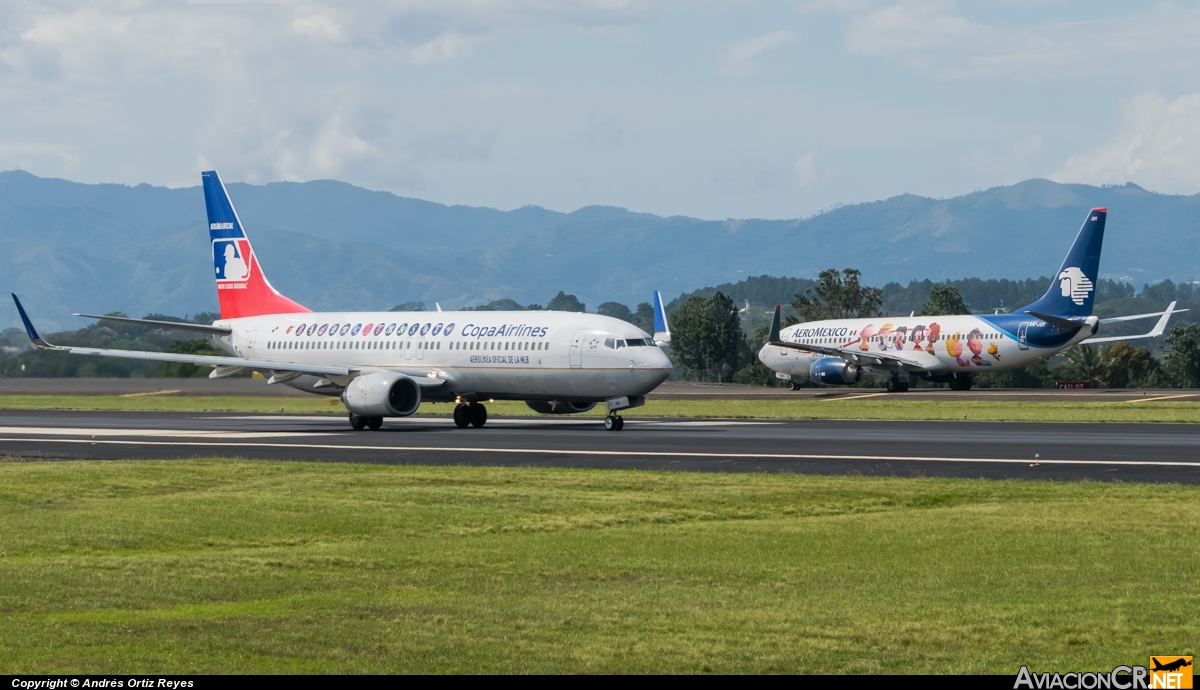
(639, 342)
(620, 344)
(609, 343)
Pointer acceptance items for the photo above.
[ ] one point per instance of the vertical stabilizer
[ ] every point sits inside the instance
(242, 288)
(662, 331)
(1073, 289)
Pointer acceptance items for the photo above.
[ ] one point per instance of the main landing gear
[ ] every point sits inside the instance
(961, 382)
(359, 423)
(895, 385)
(614, 422)
(470, 414)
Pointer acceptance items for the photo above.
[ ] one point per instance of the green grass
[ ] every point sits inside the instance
(1177, 410)
(226, 566)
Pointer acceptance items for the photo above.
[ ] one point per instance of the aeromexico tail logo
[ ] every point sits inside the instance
(231, 259)
(1074, 284)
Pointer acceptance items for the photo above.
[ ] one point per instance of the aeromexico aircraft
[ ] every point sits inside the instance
(383, 364)
(948, 349)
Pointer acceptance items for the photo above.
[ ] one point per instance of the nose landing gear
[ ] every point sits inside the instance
(614, 422)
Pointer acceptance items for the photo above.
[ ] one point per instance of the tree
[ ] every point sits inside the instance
(181, 370)
(643, 317)
(839, 296)
(1084, 363)
(1129, 367)
(944, 300)
(615, 310)
(564, 302)
(1183, 356)
(705, 335)
(409, 306)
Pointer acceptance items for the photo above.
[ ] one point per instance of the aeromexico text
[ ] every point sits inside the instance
(820, 332)
(470, 330)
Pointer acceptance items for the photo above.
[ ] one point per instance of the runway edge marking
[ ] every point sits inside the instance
(634, 454)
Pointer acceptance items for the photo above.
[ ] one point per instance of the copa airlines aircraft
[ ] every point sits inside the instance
(948, 349)
(383, 364)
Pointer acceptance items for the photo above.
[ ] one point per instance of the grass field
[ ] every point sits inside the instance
(227, 566)
(1171, 410)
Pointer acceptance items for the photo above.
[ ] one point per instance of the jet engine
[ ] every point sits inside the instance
(834, 371)
(382, 394)
(559, 407)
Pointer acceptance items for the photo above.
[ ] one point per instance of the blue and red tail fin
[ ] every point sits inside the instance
(1073, 290)
(242, 288)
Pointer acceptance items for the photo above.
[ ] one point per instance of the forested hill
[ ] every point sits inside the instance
(71, 247)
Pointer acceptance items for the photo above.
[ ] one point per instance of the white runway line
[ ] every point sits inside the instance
(182, 433)
(509, 421)
(615, 453)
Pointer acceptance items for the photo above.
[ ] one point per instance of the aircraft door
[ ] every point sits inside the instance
(407, 345)
(419, 346)
(577, 348)
(1023, 335)
(244, 347)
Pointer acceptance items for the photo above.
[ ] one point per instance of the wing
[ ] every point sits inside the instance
(174, 325)
(225, 366)
(877, 358)
(1154, 332)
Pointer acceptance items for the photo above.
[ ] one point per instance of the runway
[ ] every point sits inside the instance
(1100, 452)
(671, 390)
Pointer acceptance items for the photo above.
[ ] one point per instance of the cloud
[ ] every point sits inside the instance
(929, 35)
(805, 169)
(739, 59)
(449, 46)
(1157, 146)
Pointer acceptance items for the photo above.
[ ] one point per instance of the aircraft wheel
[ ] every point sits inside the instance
(620, 422)
(614, 422)
(903, 388)
(462, 416)
(478, 415)
(892, 385)
(793, 385)
(357, 423)
(374, 423)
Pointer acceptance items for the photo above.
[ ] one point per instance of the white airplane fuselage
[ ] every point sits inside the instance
(923, 344)
(527, 355)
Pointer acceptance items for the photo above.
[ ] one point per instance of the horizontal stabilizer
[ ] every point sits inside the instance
(1063, 322)
(174, 325)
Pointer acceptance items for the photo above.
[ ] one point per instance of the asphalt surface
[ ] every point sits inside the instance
(1101, 452)
(671, 390)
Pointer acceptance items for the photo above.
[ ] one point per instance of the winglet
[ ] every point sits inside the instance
(29, 329)
(662, 331)
(774, 337)
(1162, 322)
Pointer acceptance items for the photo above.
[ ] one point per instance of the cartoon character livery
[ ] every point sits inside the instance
(556, 362)
(954, 346)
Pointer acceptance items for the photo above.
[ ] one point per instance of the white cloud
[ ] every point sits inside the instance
(739, 59)
(449, 46)
(930, 36)
(806, 170)
(1157, 146)
(318, 26)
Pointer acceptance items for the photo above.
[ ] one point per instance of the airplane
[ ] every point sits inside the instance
(948, 349)
(384, 364)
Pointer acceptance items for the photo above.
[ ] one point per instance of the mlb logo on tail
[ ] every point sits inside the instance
(231, 260)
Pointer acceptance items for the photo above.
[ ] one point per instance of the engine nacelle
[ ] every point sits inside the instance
(834, 371)
(382, 394)
(559, 407)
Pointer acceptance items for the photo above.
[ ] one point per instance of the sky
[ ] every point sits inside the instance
(707, 108)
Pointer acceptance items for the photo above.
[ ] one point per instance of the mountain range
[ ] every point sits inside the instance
(71, 247)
